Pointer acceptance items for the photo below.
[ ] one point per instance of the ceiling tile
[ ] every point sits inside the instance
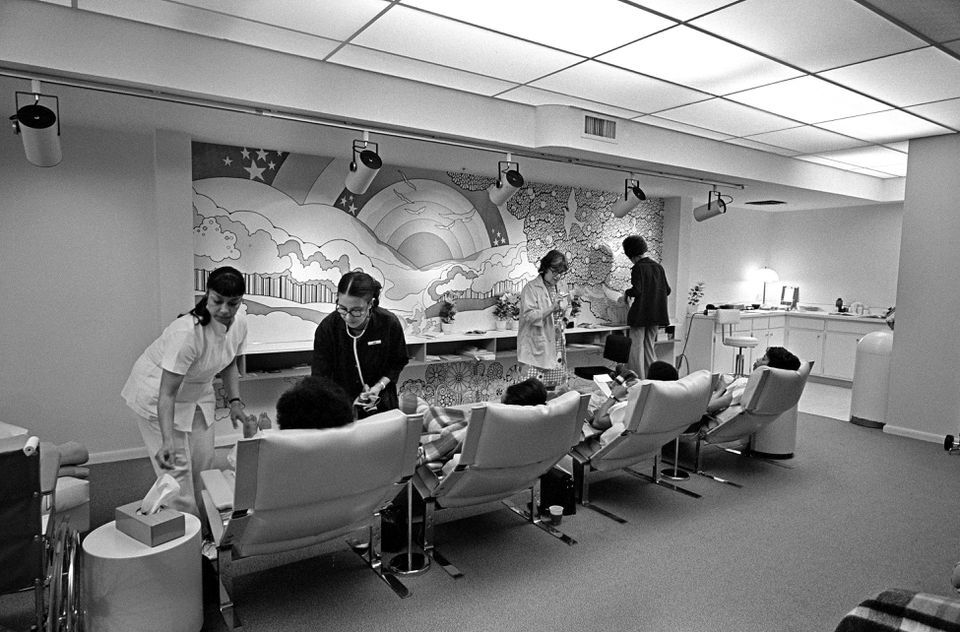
(813, 35)
(394, 65)
(335, 19)
(820, 160)
(873, 172)
(535, 96)
(937, 19)
(807, 140)
(728, 117)
(909, 78)
(872, 157)
(884, 127)
(954, 46)
(681, 127)
(902, 146)
(943, 112)
(752, 144)
(685, 10)
(563, 24)
(678, 55)
(420, 35)
(217, 25)
(593, 80)
(808, 99)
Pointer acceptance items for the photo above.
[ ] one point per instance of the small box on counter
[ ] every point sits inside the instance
(152, 529)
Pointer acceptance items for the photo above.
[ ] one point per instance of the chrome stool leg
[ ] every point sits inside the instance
(675, 473)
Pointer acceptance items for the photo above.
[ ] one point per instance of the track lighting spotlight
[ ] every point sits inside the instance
(508, 182)
(632, 196)
(951, 444)
(715, 205)
(39, 128)
(364, 166)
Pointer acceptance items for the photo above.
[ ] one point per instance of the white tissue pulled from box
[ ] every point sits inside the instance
(165, 488)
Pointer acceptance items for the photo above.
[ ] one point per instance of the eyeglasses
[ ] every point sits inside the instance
(356, 312)
(558, 270)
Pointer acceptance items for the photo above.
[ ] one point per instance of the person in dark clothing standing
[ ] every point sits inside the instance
(647, 297)
(361, 346)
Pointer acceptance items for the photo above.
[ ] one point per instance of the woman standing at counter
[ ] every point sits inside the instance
(171, 385)
(361, 346)
(540, 339)
(648, 310)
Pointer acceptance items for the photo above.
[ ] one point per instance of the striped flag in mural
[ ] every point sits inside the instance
(228, 161)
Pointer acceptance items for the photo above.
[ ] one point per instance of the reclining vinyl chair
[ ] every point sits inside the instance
(657, 413)
(616, 348)
(38, 553)
(506, 450)
(769, 393)
(298, 488)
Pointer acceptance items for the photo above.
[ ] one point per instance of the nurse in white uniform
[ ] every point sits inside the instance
(170, 388)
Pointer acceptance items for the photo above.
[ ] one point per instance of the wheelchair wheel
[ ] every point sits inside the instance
(65, 612)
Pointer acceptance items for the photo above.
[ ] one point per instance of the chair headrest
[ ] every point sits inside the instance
(676, 403)
(773, 391)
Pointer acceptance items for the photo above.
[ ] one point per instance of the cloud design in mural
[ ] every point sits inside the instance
(210, 240)
(426, 221)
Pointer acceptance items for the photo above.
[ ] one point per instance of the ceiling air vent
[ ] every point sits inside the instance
(765, 202)
(598, 127)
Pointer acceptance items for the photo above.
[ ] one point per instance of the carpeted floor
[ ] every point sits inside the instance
(795, 549)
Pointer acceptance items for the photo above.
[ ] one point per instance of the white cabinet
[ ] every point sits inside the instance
(804, 338)
(840, 354)
(840, 346)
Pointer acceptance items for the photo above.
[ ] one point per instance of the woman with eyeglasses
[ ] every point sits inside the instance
(170, 388)
(361, 346)
(543, 305)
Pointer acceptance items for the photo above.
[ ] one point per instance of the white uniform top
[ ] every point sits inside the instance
(198, 354)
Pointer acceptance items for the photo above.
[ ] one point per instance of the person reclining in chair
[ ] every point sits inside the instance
(730, 389)
(313, 402)
(445, 427)
(605, 415)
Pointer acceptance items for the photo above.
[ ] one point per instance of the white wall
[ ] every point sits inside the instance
(924, 385)
(850, 253)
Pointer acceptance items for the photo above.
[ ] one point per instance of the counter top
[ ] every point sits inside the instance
(762, 313)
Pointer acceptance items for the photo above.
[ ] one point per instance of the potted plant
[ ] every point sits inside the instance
(514, 301)
(693, 299)
(576, 303)
(503, 311)
(448, 311)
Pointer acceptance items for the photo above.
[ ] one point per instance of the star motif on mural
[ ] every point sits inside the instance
(352, 209)
(254, 171)
(227, 161)
(245, 153)
(271, 165)
(262, 155)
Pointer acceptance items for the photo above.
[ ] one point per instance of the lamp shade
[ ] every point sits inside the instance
(767, 275)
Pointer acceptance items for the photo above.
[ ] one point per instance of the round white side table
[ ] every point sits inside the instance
(131, 586)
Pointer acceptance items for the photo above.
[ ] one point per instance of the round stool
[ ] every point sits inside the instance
(727, 318)
(131, 586)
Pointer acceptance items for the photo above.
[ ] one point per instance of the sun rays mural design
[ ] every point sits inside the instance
(287, 222)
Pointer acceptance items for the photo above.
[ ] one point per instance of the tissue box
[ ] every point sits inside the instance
(163, 526)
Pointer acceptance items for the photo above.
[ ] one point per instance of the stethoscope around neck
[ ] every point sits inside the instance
(355, 338)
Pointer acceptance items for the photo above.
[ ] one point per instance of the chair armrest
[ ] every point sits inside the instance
(214, 518)
(49, 466)
(220, 486)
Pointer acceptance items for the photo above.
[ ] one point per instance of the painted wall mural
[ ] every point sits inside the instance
(287, 221)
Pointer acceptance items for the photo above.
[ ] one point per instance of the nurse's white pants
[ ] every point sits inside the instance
(193, 453)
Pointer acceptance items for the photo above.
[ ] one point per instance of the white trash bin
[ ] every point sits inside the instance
(871, 380)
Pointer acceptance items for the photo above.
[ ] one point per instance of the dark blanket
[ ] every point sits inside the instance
(903, 610)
